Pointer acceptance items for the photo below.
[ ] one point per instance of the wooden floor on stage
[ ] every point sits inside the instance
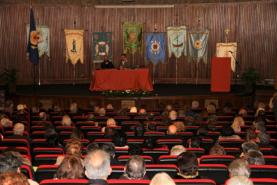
(181, 94)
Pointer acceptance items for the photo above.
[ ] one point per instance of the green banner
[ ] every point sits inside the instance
(132, 34)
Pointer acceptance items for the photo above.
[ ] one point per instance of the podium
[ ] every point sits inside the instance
(221, 74)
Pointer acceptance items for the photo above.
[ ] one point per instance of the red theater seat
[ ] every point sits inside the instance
(263, 171)
(124, 158)
(217, 172)
(45, 172)
(216, 159)
(264, 181)
(64, 182)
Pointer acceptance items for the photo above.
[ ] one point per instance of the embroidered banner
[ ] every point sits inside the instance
(102, 45)
(155, 47)
(198, 45)
(33, 38)
(44, 40)
(228, 50)
(74, 46)
(132, 34)
(176, 37)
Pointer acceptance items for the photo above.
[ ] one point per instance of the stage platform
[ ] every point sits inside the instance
(179, 95)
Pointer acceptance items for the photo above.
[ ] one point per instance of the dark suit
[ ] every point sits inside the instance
(106, 64)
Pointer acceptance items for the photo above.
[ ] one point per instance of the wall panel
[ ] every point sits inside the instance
(253, 26)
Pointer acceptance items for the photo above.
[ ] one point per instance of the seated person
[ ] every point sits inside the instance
(106, 64)
(187, 165)
(123, 64)
(135, 168)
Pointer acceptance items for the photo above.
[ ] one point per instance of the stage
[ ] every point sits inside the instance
(180, 95)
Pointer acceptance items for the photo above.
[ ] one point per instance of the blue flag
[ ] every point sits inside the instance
(32, 48)
(155, 47)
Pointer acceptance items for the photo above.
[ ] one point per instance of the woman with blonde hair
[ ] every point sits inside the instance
(66, 121)
(162, 179)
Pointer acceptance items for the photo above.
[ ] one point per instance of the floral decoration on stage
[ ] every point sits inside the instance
(127, 93)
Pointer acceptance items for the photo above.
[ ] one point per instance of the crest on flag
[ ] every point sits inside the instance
(176, 37)
(228, 50)
(74, 46)
(198, 45)
(43, 39)
(155, 47)
(132, 34)
(102, 45)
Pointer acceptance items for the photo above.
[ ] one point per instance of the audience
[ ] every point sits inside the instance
(66, 121)
(71, 167)
(162, 178)
(239, 167)
(217, 150)
(13, 178)
(248, 145)
(177, 150)
(187, 165)
(97, 167)
(72, 148)
(134, 168)
(255, 157)
(239, 180)
(237, 124)
(172, 130)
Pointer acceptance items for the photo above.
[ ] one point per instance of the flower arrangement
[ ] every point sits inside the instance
(127, 93)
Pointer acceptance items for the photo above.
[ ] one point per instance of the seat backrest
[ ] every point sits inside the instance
(264, 181)
(216, 159)
(217, 172)
(153, 169)
(27, 171)
(126, 182)
(45, 172)
(270, 159)
(64, 182)
(124, 158)
(47, 150)
(194, 182)
(45, 159)
(167, 159)
(263, 171)
(198, 151)
(15, 143)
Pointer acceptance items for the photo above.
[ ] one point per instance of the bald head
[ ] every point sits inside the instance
(18, 129)
(135, 167)
(172, 129)
(97, 165)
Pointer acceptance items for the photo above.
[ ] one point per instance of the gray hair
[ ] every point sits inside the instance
(177, 150)
(239, 180)
(97, 164)
(239, 167)
(255, 157)
(18, 129)
(246, 146)
(135, 167)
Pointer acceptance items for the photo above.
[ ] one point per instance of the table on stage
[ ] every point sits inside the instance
(126, 79)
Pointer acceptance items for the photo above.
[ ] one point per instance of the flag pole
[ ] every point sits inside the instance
(176, 68)
(39, 73)
(153, 74)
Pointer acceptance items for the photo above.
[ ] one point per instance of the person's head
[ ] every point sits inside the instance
(194, 142)
(227, 131)
(10, 162)
(133, 110)
(161, 179)
(180, 126)
(73, 107)
(187, 164)
(172, 115)
(135, 167)
(66, 120)
(217, 150)
(168, 108)
(260, 126)
(105, 57)
(70, 168)
(97, 165)
(120, 139)
(13, 178)
(109, 148)
(242, 112)
(18, 129)
(195, 105)
(109, 106)
(42, 116)
(76, 133)
(149, 142)
(255, 157)
(177, 150)
(6, 122)
(263, 138)
(73, 147)
(239, 167)
(172, 130)
(239, 180)
(123, 56)
(142, 111)
(202, 131)
(111, 122)
(139, 130)
(248, 145)
(237, 123)
(251, 135)
(211, 109)
(102, 111)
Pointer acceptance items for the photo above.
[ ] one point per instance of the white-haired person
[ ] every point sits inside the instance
(109, 123)
(133, 110)
(239, 167)
(18, 132)
(177, 150)
(239, 180)
(237, 124)
(66, 121)
(6, 122)
(162, 178)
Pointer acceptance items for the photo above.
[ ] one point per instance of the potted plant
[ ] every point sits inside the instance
(8, 78)
(250, 78)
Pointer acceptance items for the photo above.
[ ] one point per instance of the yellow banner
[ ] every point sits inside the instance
(74, 46)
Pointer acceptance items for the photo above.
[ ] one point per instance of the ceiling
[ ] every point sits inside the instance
(121, 2)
